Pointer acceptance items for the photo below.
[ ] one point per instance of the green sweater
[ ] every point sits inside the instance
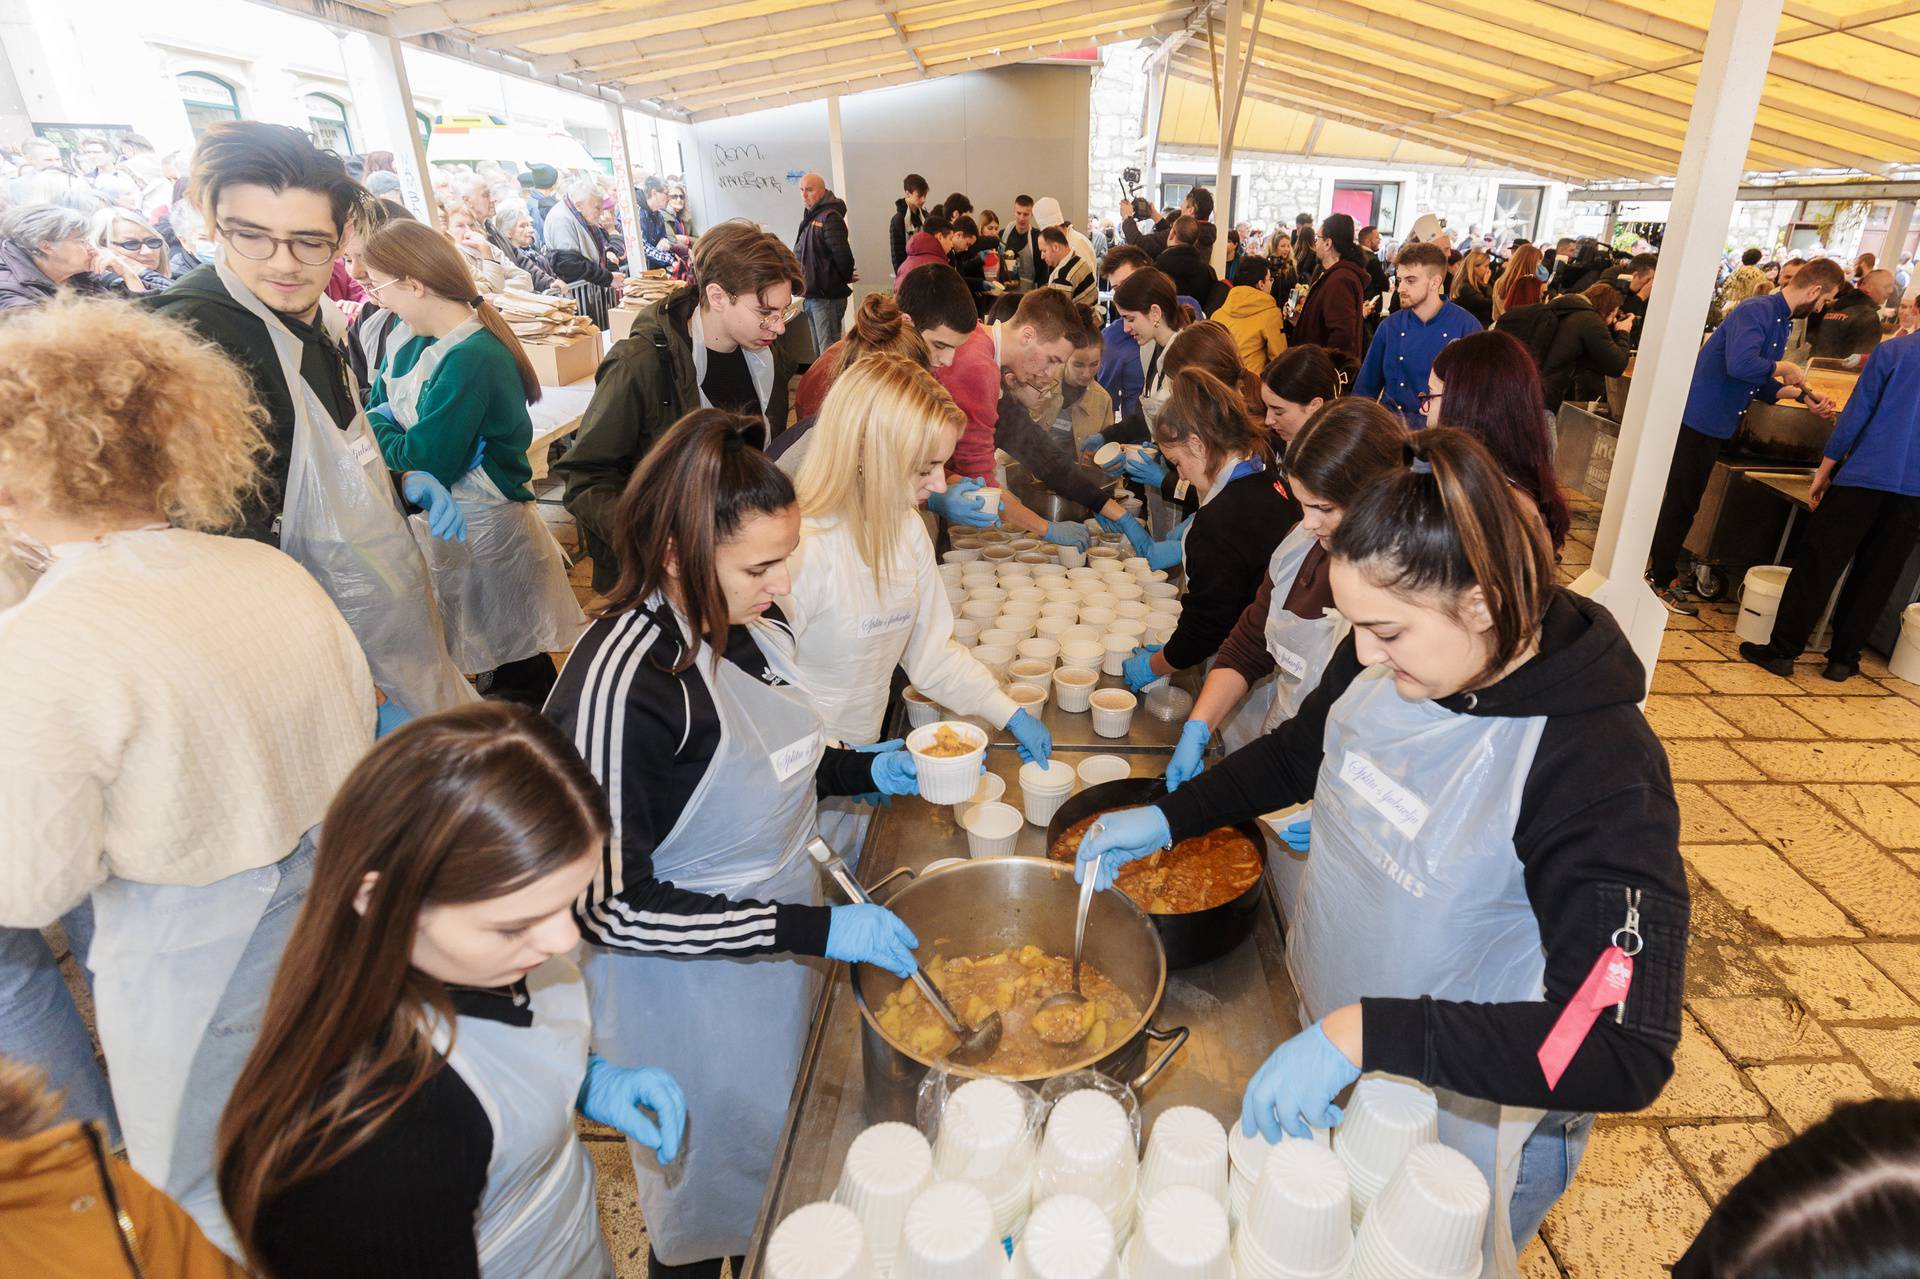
(474, 395)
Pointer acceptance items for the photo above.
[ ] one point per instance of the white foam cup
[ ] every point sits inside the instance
(1112, 711)
(949, 1233)
(886, 1167)
(1095, 769)
(1083, 653)
(921, 709)
(820, 1241)
(1073, 686)
(947, 779)
(1043, 788)
(992, 829)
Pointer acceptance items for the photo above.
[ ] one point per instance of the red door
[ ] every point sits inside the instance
(1358, 204)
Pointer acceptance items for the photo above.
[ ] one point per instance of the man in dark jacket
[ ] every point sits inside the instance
(826, 260)
(739, 305)
(1197, 205)
(909, 215)
(1851, 325)
(1588, 343)
(539, 182)
(1334, 313)
(1191, 273)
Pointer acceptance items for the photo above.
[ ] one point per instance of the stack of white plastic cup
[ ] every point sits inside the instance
(1112, 711)
(1081, 654)
(1095, 769)
(1053, 625)
(1043, 788)
(1073, 686)
(1182, 1235)
(820, 1241)
(887, 1166)
(1386, 1118)
(1247, 1160)
(995, 658)
(1083, 632)
(1298, 1225)
(1187, 1147)
(1088, 1150)
(1068, 1237)
(1118, 647)
(993, 828)
(1032, 673)
(985, 1140)
(966, 631)
(1428, 1221)
(921, 709)
(997, 636)
(949, 1233)
(1136, 565)
(1071, 556)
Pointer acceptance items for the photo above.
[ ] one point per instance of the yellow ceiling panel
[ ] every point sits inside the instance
(1595, 59)
(1344, 141)
(1394, 49)
(1863, 59)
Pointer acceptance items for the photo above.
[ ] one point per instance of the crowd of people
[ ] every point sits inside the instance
(375, 899)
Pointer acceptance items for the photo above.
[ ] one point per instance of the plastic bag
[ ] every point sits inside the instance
(986, 1132)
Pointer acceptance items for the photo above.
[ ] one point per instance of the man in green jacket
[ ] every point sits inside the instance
(715, 343)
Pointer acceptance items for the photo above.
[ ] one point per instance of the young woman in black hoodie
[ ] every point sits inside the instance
(1494, 834)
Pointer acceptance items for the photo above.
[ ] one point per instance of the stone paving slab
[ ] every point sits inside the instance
(1898, 960)
(1718, 1155)
(1761, 1029)
(1877, 718)
(1765, 717)
(1671, 677)
(1831, 761)
(1891, 1054)
(1804, 1092)
(1703, 819)
(1705, 1085)
(1673, 717)
(1756, 881)
(1742, 677)
(1633, 1210)
(1709, 761)
(1877, 890)
(1886, 815)
(1836, 983)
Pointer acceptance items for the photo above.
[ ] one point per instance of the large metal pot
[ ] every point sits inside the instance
(1784, 433)
(1048, 504)
(1199, 936)
(980, 907)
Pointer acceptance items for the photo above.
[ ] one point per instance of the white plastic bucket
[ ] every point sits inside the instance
(1759, 601)
(1905, 663)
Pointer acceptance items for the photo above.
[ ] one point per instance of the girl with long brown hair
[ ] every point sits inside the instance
(453, 402)
(1519, 283)
(1223, 454)
(1488, 798)
(408, 1109)
(685, 700)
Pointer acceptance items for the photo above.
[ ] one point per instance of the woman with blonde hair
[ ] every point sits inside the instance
(865, 595)
(168, 782)
(879, 325)
(1472, 278)
(491, 271)
(1519, 283)
(129, 251)
(453, 402)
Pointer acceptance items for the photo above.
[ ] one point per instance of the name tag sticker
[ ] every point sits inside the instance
(1400, 806)
(790, 759)
(1289, 661)
(363, 448)
(872, 624)
(1180, 491)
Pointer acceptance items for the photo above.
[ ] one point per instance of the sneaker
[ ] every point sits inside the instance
(1767, 658)
(1840, 672)
(1676, 600)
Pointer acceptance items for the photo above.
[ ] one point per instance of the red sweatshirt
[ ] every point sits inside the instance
(973, 380)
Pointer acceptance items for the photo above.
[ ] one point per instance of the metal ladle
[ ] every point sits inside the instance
(977, 1043)
(1057, 1031)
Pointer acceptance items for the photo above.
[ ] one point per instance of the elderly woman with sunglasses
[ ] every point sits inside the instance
(129, 252)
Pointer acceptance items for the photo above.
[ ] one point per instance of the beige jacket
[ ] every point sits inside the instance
(1092, 413)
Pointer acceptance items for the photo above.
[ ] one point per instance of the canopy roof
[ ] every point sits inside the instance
(1584, 90)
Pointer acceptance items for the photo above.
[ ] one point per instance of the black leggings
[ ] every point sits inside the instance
(656, 1269)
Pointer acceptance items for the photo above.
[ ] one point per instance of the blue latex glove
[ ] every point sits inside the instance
(1107, 525)
(873, 799)
(1296, 1086)
(1068, 533)
(1167, 554)
(1035, 743)
(1092, 443)
(1144, 469)
(959, 505)
(1138, 670)
(1298, 835)
(388, 716)
(444, 519)
(1187, 755)
(867, 934)
(479, 451)
(384, 413)
(613, 1095)
(880, 748)
(1119, 838)
(895, 773)
(1137, 534)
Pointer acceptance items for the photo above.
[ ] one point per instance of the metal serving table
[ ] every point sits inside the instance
(1238, 1008)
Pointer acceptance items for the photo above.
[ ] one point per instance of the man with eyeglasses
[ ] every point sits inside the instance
(715, 342)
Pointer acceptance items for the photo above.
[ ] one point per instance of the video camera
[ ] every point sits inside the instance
(1130, 191)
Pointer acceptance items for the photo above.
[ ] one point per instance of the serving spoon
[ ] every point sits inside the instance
(977, 1043)
(1057, 1029)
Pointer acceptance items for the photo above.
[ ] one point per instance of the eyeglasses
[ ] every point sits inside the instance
(258, 246)
(134, 246)
(1427, 399)
(785, 315)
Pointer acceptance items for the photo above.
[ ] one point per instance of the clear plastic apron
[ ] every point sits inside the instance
(342, 522)
(730, 1030)
(1301, 648)
(538, 1217)
(1414, 813)
(503, 593)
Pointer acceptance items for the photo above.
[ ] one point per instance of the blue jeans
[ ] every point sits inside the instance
(825, 317)
(1547, 1165)
(40, 1025)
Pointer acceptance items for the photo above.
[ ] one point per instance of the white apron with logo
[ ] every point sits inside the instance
(538, 1218)
(730, 1030)
(503, 593)
(1413, 820)
(342, 521)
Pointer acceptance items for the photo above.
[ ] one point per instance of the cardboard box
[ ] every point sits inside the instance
(559, 363)
(620, 321)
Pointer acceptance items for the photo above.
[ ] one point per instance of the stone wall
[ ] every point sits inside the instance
(1116, 117)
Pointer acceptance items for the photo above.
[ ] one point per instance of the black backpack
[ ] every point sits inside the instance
(1535, 326)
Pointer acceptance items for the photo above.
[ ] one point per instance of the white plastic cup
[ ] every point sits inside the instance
(1073, 686)
(1161, 590)
(1025, 543)
(1043, 788)
(993, 536)
(1052, 568)
(992, 786)
(1031, 672)
(1112, 711)
(1070, 556)
(989, 499)
(1067, 1237)
(1159, 630)
(1136, 565)
(949, 1233)
(979, 610)
(998, 637)
(1081, 631)
(887, 1166)
(1046, 650)
(1385, 1119)
(1033, 559)
(1133, 626)
(1095, 769)
(1088, 1150)
(992, 829)
(1098, 617)
(1021, 608)
(1025, 594)
(952, 574)
(961, 555)
(983, 1133)
(1083, 573)
(1119, 647)
(1053, 627)
(1020, 625)
(1428, 1221)
(921, 709)
(1082, 654)
(1030, 698)
(966, 630)
(992, 593)
(1183, 1234)
(1131, 611)
(1102, 598)
(1186, 1147)
(1124, 591)
(956, 597)
(1066, 611)
(947, 779)
(1104, 552)
(1297, 1220)
(995, 658)
(820, 1241)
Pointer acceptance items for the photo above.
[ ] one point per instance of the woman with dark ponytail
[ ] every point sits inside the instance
(452, 402)
(1334, 312)
(685, 700)
(1495, 903)
(1296, 386)
(879, 325)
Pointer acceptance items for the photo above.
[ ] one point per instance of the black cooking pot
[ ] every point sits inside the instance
(1196, 937)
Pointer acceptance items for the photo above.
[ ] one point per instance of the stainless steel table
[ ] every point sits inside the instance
(1237, 1008)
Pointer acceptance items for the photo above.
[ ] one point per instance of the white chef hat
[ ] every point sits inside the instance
(1046, 212)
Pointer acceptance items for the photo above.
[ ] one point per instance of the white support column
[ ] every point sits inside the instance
(836, 148)
(1897, 228)
(1732, 73)
(391, 98)
(1156, 107)
(623, 187)
(1233, 83)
